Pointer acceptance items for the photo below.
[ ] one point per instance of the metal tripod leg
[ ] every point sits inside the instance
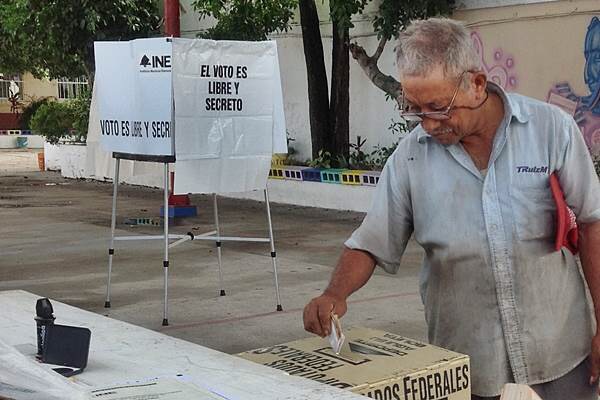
(273, 253)
(218, 244)
(113, 220)
(166, 256)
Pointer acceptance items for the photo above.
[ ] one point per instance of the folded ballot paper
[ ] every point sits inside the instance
(336, 337)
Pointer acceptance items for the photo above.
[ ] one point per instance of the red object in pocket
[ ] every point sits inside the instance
(566, 225)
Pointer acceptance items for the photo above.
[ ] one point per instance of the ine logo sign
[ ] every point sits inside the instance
(145, 61)
(155, 63)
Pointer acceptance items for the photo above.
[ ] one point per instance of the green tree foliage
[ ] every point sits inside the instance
(29, 111)
(341, 11)
(56, 38)
(79, 109)
(52, 120)
(250, 20)
(56, 120)
(395, 15)
(392, 15)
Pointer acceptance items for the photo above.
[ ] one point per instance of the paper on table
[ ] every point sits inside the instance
(159, 389)
(336, 337)
(22, 377)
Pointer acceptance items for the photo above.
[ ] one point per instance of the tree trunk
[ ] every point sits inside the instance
(90, 65)
(318, 98)
(340, 95)
(387, 83)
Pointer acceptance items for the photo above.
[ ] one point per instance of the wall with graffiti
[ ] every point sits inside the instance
(584, 107)
(549, 51)
(500, 68)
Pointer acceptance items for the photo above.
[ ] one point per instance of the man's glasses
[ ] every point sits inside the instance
(411, 113)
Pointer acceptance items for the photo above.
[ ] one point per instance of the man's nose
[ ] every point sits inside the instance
(430, 125)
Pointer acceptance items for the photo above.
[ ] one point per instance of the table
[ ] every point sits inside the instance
(120, 351)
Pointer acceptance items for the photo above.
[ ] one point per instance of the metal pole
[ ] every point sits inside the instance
(166, 257)
(232, 239)
(273, 253)
(113, 220)
(172, 25)
(218, 244)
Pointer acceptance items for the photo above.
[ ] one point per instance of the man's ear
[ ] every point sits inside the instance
(479, 83)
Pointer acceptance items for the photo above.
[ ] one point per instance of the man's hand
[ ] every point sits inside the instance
(317, 313)
(589, 248)
(595, 360)
(353, 270)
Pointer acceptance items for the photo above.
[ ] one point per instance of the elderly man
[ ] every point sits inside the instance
(471, 183)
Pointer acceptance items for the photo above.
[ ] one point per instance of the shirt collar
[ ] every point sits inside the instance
(511, 107)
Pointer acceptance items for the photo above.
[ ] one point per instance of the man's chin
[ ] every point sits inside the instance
(446, 140)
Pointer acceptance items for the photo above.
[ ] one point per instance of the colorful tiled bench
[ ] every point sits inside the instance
(292, 172)
(351, 177)
(311, 175)
(369, 178)
(276, 172)
(331, 175)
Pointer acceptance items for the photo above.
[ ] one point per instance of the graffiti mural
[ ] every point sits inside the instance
(501, 69)
(585, 109)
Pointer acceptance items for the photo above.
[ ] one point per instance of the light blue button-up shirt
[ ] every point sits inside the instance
(492, 285)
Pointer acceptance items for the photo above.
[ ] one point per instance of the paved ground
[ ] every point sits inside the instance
(12, 161)
(54, 238)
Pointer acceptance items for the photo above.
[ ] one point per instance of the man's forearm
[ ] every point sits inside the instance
(353, 270)
(589, 247)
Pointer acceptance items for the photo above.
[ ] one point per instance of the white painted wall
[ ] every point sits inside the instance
(71, 160)
(35, 142)
(370, 113)
(314, 194)
(10, 141)
(475, 4)
(51, 157)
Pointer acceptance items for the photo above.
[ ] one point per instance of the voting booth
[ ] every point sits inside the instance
(213, 109)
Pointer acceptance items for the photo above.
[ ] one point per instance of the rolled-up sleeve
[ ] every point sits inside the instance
(388, 225)
(578, 177)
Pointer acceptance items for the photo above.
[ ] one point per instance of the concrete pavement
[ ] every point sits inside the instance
(54, 239)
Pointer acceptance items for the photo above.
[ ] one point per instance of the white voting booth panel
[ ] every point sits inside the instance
(228, 114)
(215, 108)
(133, 84)
(121, 352)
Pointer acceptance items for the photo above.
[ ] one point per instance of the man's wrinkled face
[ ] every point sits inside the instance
(434, 92)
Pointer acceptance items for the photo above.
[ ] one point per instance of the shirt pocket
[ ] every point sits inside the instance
(533, 212)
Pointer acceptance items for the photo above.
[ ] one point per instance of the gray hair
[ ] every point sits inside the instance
(433, 42)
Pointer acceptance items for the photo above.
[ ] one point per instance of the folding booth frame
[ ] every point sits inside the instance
(166, 237)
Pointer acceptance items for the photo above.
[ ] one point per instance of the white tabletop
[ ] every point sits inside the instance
(120, 351)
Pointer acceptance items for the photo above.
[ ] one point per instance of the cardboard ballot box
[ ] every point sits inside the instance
(376, 364)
